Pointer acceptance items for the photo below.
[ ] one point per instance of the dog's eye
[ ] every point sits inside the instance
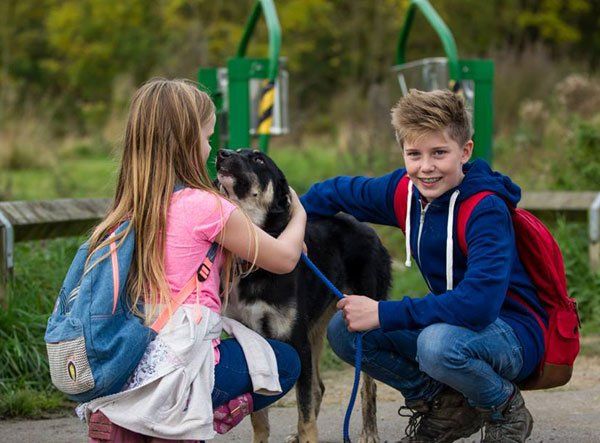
(255, 194)
(258, 160)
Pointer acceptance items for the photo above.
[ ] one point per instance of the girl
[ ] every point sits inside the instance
(165, 192)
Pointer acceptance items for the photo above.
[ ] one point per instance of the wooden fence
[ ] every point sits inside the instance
(35, 220)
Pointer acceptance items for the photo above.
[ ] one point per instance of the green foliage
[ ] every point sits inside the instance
(73, 51)
(583, 284)
(74, 178)
(557, 138)
(25, 387)
(555, 21)
(95, 40)
(584, 170)
(27, 402)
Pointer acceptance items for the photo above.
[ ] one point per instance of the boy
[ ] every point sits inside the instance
(457, 353)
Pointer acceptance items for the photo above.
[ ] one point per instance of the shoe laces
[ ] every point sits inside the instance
(414, 420)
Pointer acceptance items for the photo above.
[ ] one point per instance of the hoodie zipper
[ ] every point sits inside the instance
(421, 222)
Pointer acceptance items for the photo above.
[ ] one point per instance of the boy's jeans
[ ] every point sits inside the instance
(232, 378)
(419, 363)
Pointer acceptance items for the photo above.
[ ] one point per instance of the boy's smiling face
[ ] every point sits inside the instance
(434, 163)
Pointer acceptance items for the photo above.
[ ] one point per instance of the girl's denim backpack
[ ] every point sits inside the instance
(94, 341)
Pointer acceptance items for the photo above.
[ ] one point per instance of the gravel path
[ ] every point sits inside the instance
(567, 414)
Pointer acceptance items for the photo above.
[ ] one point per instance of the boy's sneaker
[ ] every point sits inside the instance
(446, 418)
(511, 423)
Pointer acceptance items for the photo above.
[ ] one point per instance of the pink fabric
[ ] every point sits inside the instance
(101, 429)
(229, 415)
(195, 219)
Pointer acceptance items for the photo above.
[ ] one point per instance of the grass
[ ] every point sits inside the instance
(25, 388)
(71, 178)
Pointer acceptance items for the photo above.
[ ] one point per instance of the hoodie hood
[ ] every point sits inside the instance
(480, 177)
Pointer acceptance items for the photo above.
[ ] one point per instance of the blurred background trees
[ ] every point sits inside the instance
(68, 67)
(72, 51)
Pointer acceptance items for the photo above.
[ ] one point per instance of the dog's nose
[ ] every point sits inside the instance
(224, 153)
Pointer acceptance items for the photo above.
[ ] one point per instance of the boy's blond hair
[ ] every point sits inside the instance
(421, 113)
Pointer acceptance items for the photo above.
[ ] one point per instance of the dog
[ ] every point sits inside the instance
(296, 307)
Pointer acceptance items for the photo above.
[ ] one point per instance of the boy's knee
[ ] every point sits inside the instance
(340, 339)
(439, 348)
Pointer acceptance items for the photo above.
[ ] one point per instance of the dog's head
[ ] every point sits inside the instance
(252, 180)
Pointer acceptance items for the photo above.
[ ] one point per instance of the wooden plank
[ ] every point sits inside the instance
(558, 200)
(34, 220)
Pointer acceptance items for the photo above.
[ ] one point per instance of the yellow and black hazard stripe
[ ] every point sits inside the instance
(265, 107)
(456, 87)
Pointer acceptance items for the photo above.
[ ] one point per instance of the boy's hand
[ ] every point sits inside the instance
(360, 313)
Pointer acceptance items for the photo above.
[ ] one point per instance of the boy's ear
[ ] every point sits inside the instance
(467, 152)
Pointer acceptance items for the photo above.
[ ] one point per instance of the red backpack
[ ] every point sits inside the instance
(543, 262)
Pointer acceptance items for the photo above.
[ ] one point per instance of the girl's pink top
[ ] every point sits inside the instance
(195, 219)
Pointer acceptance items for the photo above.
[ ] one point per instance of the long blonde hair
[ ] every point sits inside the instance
(162, 147)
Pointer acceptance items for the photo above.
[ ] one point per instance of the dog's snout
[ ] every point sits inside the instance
(224, 153)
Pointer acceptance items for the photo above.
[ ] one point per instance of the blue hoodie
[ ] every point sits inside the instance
(480, 285)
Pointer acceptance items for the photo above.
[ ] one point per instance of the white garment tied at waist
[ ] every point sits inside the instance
(171, 399)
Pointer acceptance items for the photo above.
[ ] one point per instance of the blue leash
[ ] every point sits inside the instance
(357, 344)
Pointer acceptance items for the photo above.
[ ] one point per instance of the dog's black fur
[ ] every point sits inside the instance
(296, 307)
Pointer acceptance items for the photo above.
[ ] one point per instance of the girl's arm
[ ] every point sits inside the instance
(278, 255)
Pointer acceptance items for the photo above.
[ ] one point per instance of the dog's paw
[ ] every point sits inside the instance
(368, 439)
(292, 438)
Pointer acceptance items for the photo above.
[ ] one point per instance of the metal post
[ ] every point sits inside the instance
(482, 74)
(7, 241)
(594, 227)
(439, 26)
(238, 72)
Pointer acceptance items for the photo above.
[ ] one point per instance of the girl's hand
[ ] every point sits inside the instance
(360, 313)
(297, 208)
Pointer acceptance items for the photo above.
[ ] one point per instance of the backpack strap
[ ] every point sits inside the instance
(464, 213)
(400, 201)
(402, 206)
(193, 283)
(115, 272)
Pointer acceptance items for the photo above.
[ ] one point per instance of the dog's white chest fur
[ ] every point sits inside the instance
(276, 321)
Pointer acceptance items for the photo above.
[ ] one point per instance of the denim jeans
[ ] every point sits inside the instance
(419, 363)
(232, 378)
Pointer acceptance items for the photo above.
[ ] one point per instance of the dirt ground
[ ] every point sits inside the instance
(567, 414)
